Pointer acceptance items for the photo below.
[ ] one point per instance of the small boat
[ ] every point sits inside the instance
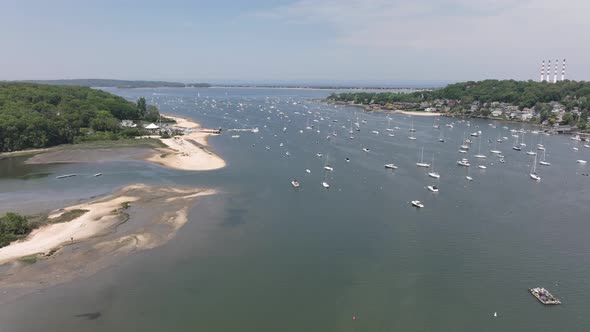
(469, 178)
(463, 162)
(516, 147)
(502, 160)
(575, 148)
(531, 153)
(464, 147)
(308, 171)
(543, 162)
(434, 189)
(97, 175)
(65, 176)
(462, 151)
(295, 183)
(235, 136)
(496, 151)
(390, 166)
(319, 155)
(533, 173)
(434, 175)
(325, 184)
(375, 132)
(480, 156)
(287, 153)
(481, 166)
(328, 168)
(347, 159)
(417, 204)
(580, 161)
(421, 163)
(412, 138)
(366, 150)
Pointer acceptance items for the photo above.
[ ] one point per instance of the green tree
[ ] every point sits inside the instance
(141, 107)
(104, 121)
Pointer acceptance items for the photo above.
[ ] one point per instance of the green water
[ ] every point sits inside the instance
(263, 257)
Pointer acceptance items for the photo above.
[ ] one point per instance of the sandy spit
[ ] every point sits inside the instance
(189, 151)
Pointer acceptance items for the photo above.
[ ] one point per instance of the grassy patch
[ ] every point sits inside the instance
(125, 205)
(31, 259)
(68, 216)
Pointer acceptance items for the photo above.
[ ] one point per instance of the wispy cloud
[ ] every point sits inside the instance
(432, 24)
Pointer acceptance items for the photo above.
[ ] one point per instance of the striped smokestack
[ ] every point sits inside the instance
(563, 71)
(543, 71)
(555, 71)
(548, 70)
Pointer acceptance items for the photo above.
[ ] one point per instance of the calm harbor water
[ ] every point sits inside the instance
(262, 256)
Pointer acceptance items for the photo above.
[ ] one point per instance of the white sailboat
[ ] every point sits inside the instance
(412, 128)
(543, 161)
(479, 155)
(422, 163)
(534, 174)
(389, 124)
(433, 174)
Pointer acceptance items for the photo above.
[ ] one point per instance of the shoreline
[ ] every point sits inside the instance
(184, 152)
(189, 151)
(60, 252)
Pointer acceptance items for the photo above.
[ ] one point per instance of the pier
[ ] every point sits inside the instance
(544, 296)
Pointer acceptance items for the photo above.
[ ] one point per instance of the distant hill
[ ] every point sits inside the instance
(103, 83)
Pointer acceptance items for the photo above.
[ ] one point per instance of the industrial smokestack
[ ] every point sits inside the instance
(555, 71)
(543, 71)
(563, 71)
(548, 71)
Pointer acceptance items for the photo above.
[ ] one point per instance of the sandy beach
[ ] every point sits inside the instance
(189, 151)
(415, 113)
(152, 218)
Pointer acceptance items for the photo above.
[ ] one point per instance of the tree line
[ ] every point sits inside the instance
(39, 116)
(524, 94)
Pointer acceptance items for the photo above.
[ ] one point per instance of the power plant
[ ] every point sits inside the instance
(547, 77)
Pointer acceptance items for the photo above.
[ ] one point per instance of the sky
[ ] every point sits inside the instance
(257, 41)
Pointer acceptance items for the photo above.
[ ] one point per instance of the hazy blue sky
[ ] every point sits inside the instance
(292, 40)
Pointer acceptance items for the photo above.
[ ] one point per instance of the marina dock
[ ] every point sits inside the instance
(544, 296)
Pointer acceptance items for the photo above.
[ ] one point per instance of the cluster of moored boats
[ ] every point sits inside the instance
(481, 157)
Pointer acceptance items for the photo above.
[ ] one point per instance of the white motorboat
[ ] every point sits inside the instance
(434, 189)
(417, 204)
(295, 183)
(463, 162)
(481, 166)
(580, 161)
(390, 166)
(366, 150)
(328, 168)
(325, 184)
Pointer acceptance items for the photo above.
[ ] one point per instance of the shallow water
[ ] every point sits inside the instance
(262, 256)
